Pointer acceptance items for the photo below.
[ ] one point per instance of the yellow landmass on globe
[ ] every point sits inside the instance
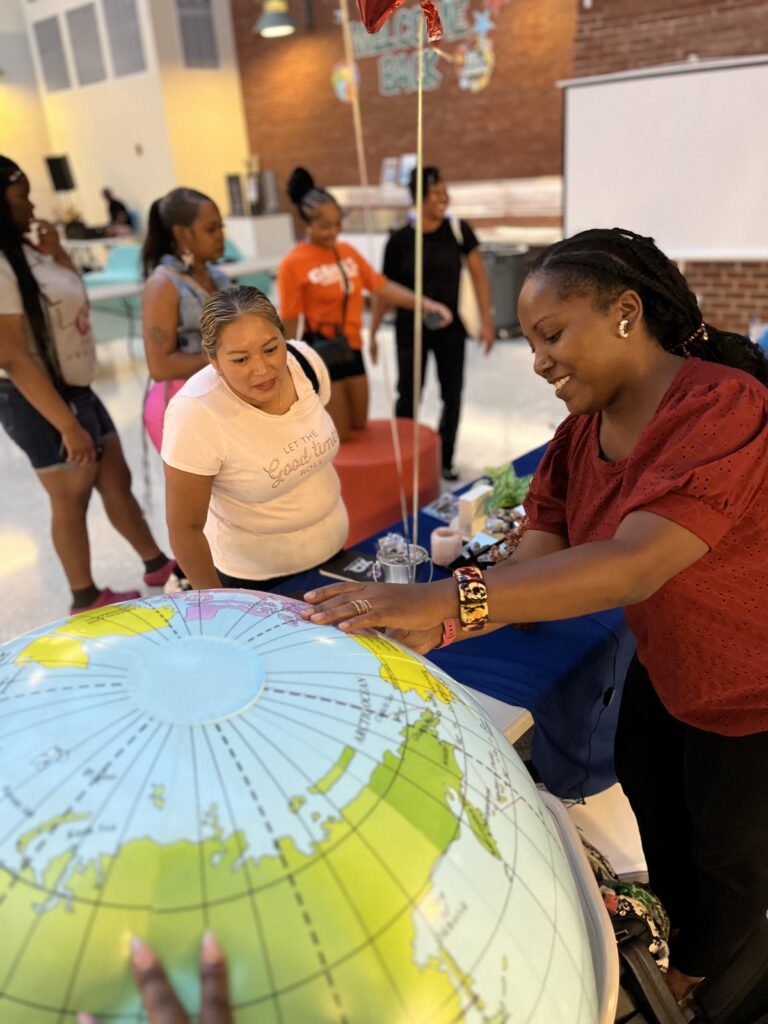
(47, 826)
(335, 772)
(323, 933)
(62, 647)
(403, 671)
(157, 796)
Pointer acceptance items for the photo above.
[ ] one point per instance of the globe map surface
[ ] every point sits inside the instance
(364, 844)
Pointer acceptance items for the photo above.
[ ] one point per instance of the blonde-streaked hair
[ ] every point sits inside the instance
(227, 307)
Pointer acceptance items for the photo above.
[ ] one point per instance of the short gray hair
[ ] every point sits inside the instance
(227, 307)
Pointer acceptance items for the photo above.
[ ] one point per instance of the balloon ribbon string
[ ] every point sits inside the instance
(418, 285)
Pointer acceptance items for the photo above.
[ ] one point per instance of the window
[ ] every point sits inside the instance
(51, 53)
(198, 39)
(86, 44)
(124, 34)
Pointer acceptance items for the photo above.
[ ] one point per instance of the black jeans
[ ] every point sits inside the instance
(448, 350)
(701, 802)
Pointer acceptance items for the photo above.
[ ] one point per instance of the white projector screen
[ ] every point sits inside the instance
(677, 152)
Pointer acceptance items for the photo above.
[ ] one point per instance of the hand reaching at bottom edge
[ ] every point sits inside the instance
(161, 1002)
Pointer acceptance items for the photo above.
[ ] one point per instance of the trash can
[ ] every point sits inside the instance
(505, 264)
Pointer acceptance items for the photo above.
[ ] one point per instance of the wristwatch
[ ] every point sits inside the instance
(473, 598)
(449, 633)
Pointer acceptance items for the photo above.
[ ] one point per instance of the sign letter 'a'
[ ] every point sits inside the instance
(373, 14)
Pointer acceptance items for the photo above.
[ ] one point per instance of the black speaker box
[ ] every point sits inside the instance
(61, 175)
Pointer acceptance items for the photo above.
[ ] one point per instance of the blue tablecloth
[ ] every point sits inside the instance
(569, 674)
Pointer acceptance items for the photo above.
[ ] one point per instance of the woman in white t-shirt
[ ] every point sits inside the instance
(251, 494)
(47, 407)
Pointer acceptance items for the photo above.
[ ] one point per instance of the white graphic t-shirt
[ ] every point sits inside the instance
(276, 505)
(65, 306)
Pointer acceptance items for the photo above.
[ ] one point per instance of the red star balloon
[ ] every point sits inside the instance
(373, 14)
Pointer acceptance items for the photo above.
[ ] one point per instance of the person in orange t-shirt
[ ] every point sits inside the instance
(324, 280)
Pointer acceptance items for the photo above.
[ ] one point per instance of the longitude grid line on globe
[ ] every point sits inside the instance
(199, 827)
(94, 904)
(354, 830)
(129, 714)
(374, 732)
(251, 891)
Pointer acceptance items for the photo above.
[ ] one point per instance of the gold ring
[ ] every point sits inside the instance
(366, 604)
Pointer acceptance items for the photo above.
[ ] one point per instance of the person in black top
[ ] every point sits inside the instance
(119, 218)
(446, 243)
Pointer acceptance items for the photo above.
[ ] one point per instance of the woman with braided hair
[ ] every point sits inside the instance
(653, 495)
(47, 407)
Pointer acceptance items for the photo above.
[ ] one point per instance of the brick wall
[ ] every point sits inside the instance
(730, 293)
(615, 35)
(512, 128)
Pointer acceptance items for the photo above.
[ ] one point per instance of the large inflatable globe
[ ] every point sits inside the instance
(364, 844)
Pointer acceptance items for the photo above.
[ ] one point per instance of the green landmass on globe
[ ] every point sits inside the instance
(363, 843)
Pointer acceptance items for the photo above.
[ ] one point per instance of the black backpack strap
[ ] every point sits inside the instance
(646, 982)
(306, 366)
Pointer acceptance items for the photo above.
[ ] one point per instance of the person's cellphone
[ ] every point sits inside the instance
(433, 321)
(33, 233)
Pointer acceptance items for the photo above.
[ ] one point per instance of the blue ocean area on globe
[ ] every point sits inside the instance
(364, 844)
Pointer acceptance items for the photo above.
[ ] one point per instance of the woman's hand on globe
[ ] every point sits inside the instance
(161, 1002)
(355, 607)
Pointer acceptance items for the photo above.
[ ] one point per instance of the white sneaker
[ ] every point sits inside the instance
(176, 584)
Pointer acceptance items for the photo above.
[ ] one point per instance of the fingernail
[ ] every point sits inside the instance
(211, 952)
(142, 956)
(309, 595)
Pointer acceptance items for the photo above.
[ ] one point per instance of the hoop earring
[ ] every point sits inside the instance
(623, 328)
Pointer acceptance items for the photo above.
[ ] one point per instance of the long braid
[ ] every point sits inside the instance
(608, 261)
(12, 247)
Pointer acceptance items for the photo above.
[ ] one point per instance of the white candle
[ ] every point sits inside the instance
(445, 544)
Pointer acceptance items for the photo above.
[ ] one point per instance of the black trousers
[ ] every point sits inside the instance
(701, 802)
(448, 350)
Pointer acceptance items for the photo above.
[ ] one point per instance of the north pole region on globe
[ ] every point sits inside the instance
(364, 844)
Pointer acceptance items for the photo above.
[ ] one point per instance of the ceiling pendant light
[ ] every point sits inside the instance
(275, 20)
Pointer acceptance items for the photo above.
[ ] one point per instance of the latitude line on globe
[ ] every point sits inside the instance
(87, 687)
(409, 903)
(30, 932)
(62, 782)
(323, 714)
(57, 718)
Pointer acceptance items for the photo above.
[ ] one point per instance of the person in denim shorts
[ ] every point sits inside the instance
(47, 407)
